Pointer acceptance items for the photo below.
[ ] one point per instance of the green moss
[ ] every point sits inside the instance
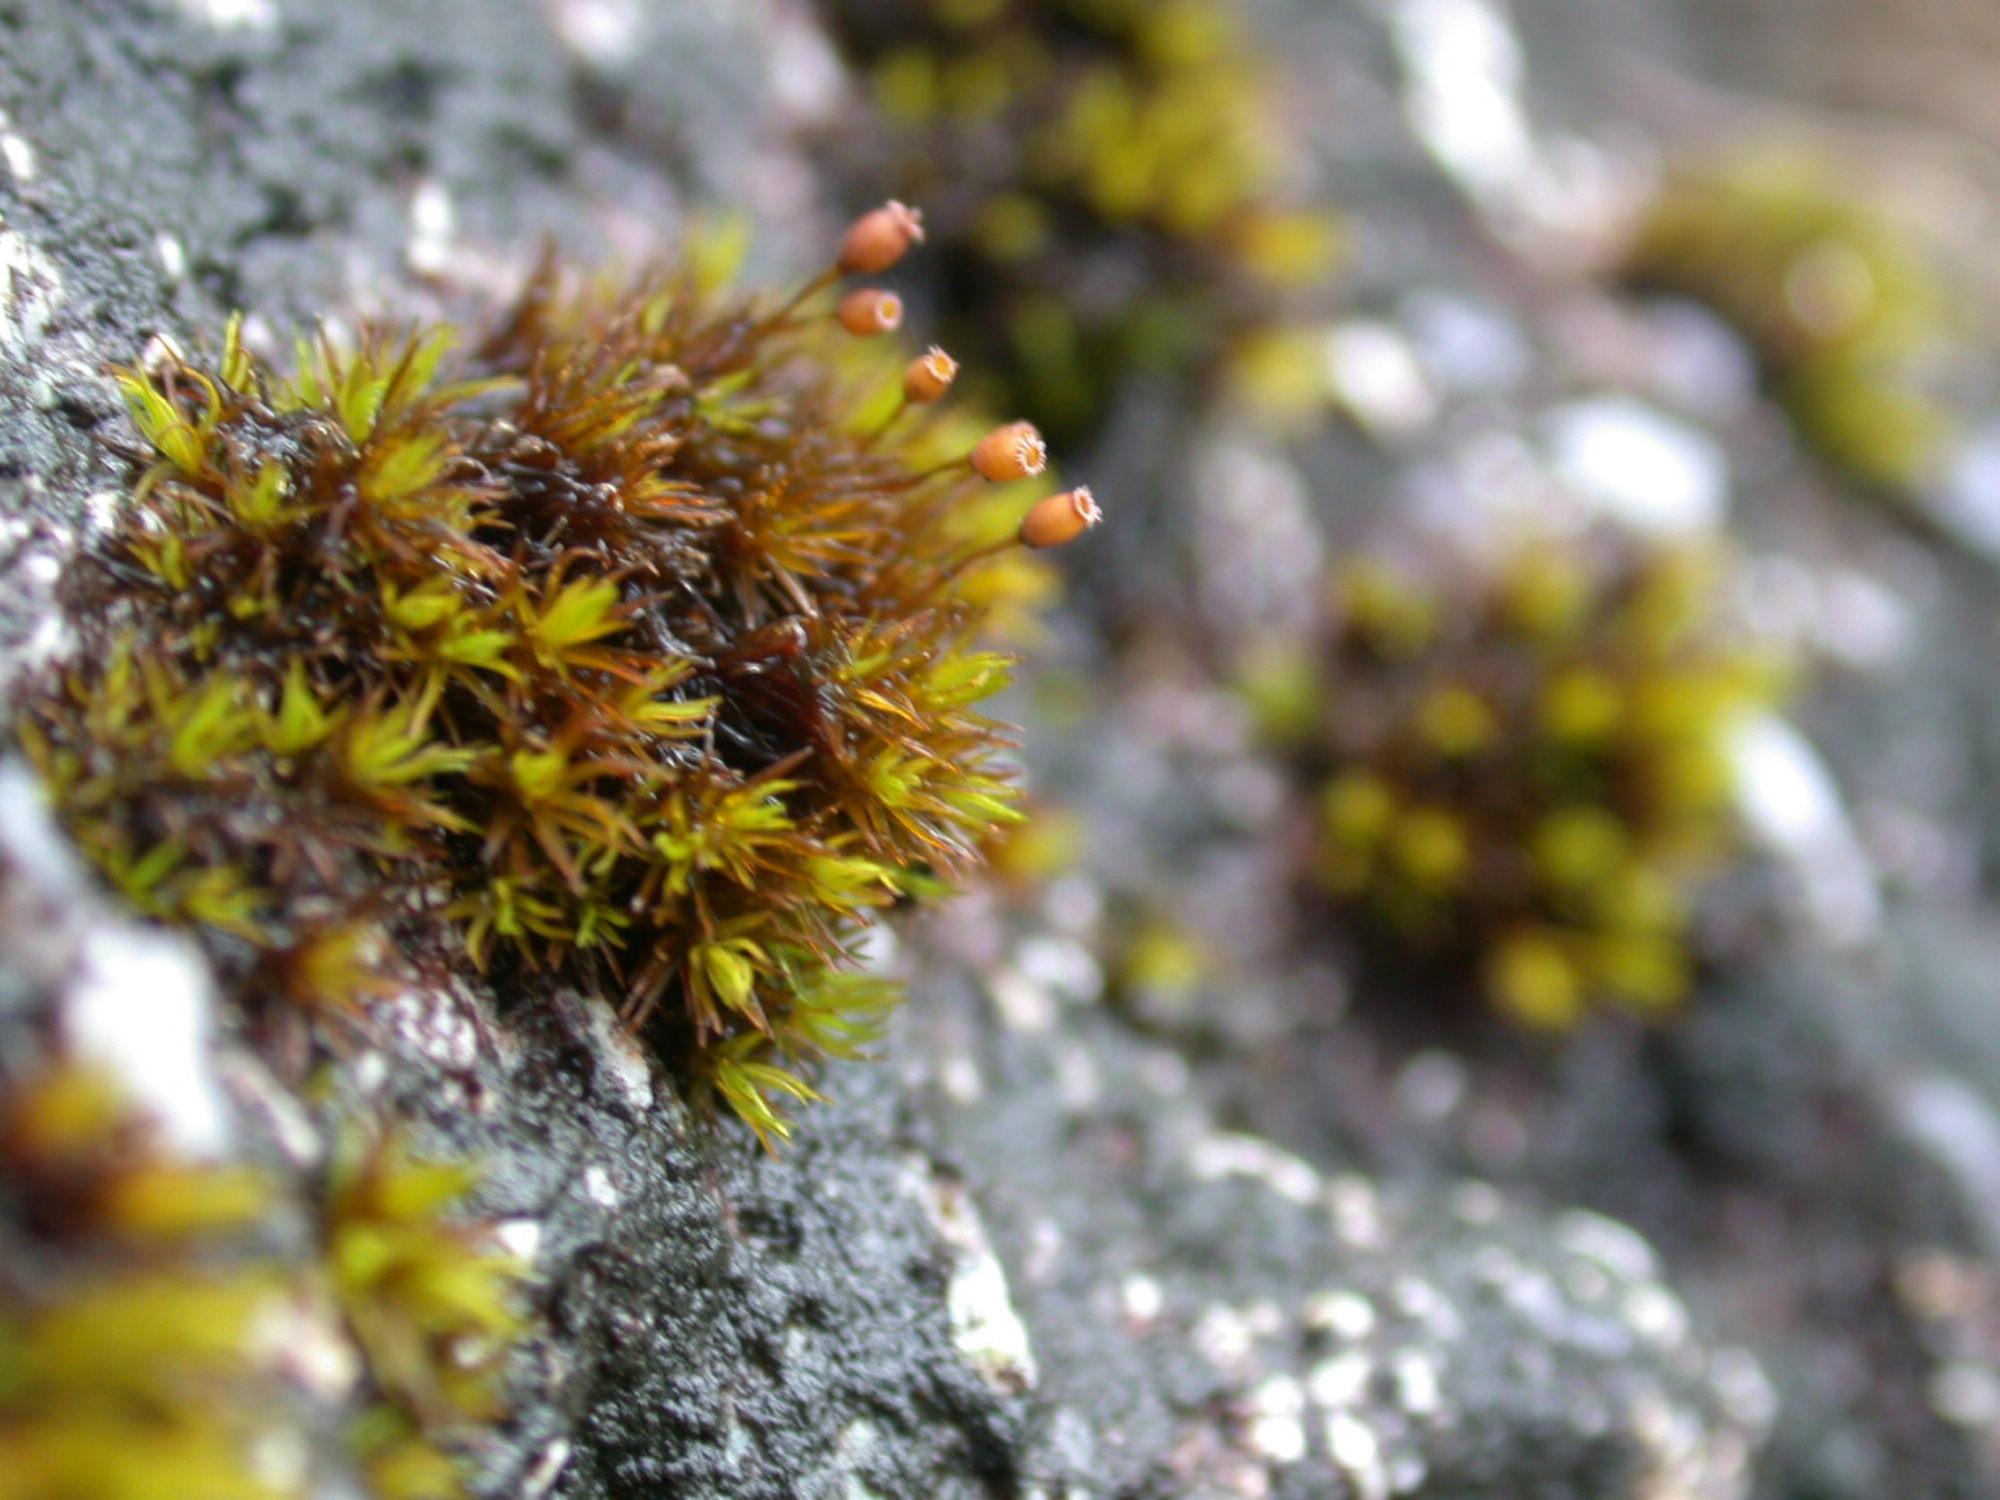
(432, 1304)
(149, 1333)
(136, 1356)
(1106, 181)
(629, 643)
(1524, 766)
(1837, 300)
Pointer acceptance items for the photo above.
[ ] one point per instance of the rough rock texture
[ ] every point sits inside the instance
(1244, 1244)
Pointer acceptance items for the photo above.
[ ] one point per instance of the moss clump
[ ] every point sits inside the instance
(433, 1306)
(629, 645)
(137, 1356)
(149, 1336)
(1106, 180)
(1834, 298)
(1524, 766)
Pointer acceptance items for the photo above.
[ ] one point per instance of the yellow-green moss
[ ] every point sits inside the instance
(624, 642)
(1107, 181)
(1834, 296)
(150, 1329)
(1524, 766)
(140, 1336)
(432, 1303)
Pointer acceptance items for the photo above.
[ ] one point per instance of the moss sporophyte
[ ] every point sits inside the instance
(1065, 143)
(632, 643)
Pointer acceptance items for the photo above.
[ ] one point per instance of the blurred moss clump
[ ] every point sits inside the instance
(1524, 765)
(140, 1340)
(1835, 298)
(1106, 180)
(431, 1302)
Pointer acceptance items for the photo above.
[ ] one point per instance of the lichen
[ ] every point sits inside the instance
(1523, 766)
(631, 643)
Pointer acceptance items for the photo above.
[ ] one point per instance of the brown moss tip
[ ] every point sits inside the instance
(1013, 451)
(879, 239)
(867, 312)
(929, 377)
(1060, 519)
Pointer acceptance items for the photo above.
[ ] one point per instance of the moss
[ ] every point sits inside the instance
(432, 1304)
(1837, 300)
(1523, 766)
(630, 641)
(1108, 179)
(137, 1356)
(150, 1328)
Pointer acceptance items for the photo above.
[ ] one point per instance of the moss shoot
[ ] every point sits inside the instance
(433, 1306)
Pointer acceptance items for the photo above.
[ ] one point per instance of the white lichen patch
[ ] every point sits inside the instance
(1374, 373)
(1638, 467)
(1965, 1394)
(30, 289)
(15, 151)
(232, 15)
(1277, 1426)
(985, 1328)
(1023, 1004)
(172, 255)
(1465, 74)
(520, 1238)
(619, 1056)
(1357, 1453)
(599, 1188)
(1345, 1315)
(1342, 1381)
(1657, 1314)
(958, 1076)
(428, 250)
(600, 32)
(1356, 1210)
(547, 1468)
(1419, 1388)
(1141, 1298)
(1063, 966)
(1229, 1155)
(1222, 1335)
(1791, 804)
(141, 1007)
(1617, 1247)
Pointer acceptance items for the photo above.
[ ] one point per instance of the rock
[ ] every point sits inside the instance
(1214, 1315)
